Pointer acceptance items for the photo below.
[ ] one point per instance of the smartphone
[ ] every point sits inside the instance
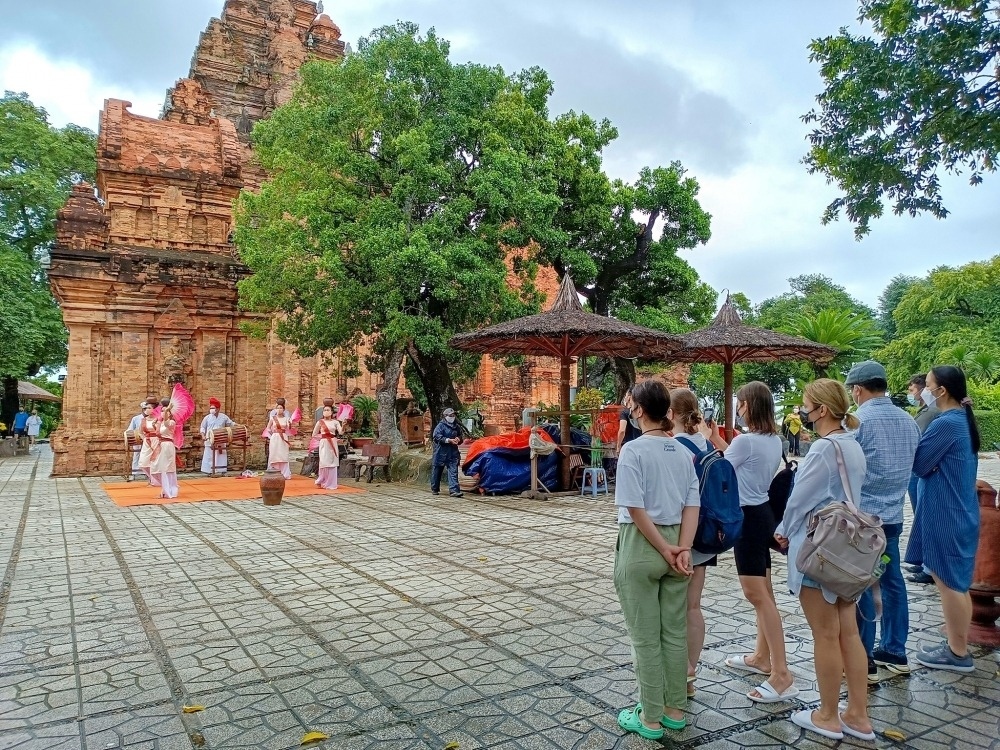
(708, 415)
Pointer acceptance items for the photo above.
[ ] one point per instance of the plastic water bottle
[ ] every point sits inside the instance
(880, 567)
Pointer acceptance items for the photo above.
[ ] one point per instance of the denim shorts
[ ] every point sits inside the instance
(807, 581)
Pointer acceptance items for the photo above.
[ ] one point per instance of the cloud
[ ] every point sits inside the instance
(68, 91)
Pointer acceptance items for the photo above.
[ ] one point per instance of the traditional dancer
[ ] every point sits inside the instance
(215, 420)
(135, 427)
(326, 430)
(279, 427)
(169, 436)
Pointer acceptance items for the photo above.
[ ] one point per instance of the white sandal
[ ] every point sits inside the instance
(740, 662)
(769, 695)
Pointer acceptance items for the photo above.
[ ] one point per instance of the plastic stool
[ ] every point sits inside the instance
(598, 481)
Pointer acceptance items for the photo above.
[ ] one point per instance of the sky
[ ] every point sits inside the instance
(719, 85)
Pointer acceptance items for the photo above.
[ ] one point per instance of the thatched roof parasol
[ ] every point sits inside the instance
(565, 331)
(728, 340)
(30, 391)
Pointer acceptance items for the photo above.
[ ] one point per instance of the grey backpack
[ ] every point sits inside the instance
(843, 545)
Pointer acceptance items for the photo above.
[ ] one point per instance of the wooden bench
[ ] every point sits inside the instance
(373, 457)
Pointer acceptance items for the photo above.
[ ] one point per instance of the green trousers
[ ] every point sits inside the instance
(654, 601)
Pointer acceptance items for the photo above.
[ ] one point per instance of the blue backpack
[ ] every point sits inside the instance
(721, 518)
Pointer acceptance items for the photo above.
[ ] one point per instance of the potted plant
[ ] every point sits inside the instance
(365, 408)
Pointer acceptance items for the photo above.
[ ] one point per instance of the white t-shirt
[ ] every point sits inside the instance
(657, 474)
(756, 458)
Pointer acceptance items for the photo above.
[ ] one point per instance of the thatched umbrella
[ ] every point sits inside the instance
(31, 392)
(728, 340)
(566, 331)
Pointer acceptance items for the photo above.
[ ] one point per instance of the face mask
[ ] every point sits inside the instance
(927, 397)
(911, 399)
(450, 420)
(806, 422)
(741, 422)
(633, 421)
(795, 410)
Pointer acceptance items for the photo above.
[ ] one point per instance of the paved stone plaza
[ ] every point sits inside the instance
(390, 619)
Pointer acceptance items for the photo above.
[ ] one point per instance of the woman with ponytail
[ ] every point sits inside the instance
(837, 648)
(945, 531)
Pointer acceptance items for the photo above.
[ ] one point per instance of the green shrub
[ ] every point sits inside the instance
(989, 428)
(985, 396)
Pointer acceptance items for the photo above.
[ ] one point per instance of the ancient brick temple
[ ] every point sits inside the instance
(145, 271)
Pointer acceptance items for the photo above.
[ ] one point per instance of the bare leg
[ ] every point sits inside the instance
(855, 668)
(758, 592)
(824, 622)
(695, 619)
(957, 610)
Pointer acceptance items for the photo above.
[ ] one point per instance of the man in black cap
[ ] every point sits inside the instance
(447, 437)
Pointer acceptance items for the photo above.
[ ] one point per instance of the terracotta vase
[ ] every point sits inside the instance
(272, 487)
(986, 576)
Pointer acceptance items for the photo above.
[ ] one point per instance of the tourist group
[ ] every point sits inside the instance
(839, 522)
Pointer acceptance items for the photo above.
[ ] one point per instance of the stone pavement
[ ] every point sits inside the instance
(391, 619)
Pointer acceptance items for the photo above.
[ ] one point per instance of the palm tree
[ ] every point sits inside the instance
(983, 366)
(853, 335)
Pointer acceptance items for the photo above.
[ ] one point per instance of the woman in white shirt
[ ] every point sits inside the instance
(837, 648)
(658, 501)
(756, 456)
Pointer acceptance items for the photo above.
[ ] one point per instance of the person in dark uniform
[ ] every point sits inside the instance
(447, 437)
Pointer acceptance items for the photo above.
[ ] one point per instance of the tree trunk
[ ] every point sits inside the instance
(9, 403)
(388, 425)
(436, 381)
(624, 376)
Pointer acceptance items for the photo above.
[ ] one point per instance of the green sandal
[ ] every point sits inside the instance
(629, 720)
(665, 720)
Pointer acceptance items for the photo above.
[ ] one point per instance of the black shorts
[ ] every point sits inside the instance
(753, 557)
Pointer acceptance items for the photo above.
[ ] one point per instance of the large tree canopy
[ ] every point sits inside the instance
(918, 97)
(38, 166)
(400, 182)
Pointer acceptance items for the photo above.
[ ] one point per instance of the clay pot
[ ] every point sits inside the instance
(272, 487)
(986, 576)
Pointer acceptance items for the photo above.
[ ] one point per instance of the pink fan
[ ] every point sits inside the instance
(345, 413)
(182, 407)
(294, 420)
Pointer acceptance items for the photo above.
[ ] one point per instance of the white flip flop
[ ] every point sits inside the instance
(769, 695)
(740, 662)
(848, 729)
(804, 719)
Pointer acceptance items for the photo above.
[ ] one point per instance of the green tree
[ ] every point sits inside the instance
(399, 182)
(622, 239)
(917, 97)
(38, 166)
(853, 335)
(950, 317)
(889, 300)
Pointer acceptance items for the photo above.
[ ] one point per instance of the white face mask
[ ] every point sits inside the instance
(450, 419)
(927, 397)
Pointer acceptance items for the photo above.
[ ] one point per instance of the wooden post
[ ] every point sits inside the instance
(727, 380)
(564, 430)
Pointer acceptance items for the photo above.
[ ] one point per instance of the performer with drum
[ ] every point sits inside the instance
(131, 433)
(326, 430)
(215, 420)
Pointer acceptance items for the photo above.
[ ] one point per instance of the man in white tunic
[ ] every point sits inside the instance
(135, 426)
(215, 420)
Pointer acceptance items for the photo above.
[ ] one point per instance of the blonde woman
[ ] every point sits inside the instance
(687, 421)
(837, 647)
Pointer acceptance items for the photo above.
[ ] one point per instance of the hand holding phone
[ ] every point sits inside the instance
(709, 415)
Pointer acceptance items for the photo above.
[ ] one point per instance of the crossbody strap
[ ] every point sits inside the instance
(843, 475)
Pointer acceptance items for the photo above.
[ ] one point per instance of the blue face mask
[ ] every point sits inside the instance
(911, 399)
(450, 420)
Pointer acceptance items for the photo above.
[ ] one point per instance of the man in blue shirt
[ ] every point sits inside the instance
(21, 423)
(889, 437)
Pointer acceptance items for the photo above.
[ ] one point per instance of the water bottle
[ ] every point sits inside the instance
(880, 567)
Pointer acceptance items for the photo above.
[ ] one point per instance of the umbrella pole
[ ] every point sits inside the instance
(564, 434)
(727, 380)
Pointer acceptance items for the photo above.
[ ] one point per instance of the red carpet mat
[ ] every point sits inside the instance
(127, 494)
